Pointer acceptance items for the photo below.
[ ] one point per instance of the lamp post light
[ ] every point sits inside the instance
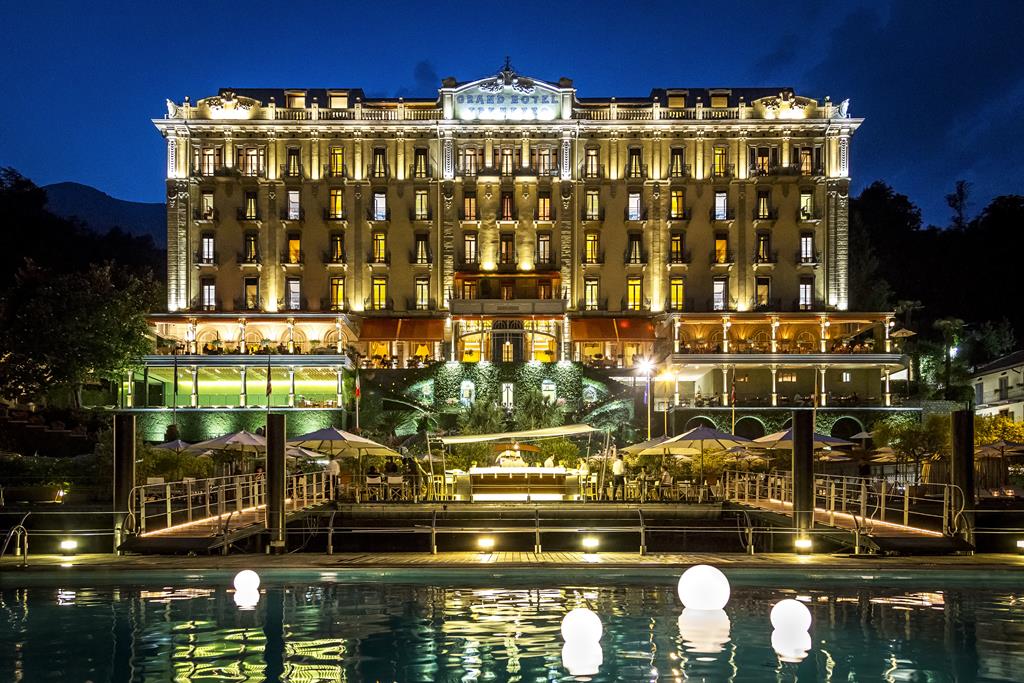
(647, 367)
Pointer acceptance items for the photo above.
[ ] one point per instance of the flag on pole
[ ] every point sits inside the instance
(268, 380)
(175, 380)
(358, 393)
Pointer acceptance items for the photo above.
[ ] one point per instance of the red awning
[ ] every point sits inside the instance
(612, 329)
(401, 329)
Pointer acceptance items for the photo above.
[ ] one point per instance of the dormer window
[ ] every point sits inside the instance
(337, 100)
(296, 100)
(676, 100)
(720, 100)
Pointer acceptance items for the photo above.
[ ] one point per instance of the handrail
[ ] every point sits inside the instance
(20, 533)
(643, 532)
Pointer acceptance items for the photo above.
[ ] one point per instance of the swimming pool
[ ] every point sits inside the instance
(455, 625)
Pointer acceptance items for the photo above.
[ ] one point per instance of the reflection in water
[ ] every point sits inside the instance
(334, 628)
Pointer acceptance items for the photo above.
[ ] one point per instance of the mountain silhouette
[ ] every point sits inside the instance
(101, 212)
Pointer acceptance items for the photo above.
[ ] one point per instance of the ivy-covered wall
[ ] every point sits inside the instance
(199, 425)
(488, 378)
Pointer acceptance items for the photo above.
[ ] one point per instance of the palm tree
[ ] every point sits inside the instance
(951, 329)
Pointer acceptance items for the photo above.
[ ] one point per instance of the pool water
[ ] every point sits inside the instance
(502, 626)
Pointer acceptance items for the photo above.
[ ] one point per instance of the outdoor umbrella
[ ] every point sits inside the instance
(340, 443)
(999, 448)
(783, 441)
(177, 446)
(242, 442)
(696, 441)
(902, 333)
(638, 448)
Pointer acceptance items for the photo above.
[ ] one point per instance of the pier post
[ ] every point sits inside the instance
(276, 481)
(803, 472)
(124, 473)
(962, 469)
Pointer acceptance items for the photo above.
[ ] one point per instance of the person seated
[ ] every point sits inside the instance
(583, 468)
(549, 461)
(372, 472)
(390, 467)
(664, 483)
(511, 459)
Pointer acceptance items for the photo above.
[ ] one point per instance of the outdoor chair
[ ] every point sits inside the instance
(396, 488)
(374, 488)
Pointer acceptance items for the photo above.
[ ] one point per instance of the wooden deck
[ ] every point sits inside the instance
(846, 521)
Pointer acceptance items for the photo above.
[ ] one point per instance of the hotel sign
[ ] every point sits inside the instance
(501, 102)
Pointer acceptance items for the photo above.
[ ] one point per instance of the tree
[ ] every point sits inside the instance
(951, 330)
(59, 331)
(913, 440)
(869, 291)
(957, 201)
(991, 428)
(562, 450)
(482, 416)
(533, 411)
(989, 341)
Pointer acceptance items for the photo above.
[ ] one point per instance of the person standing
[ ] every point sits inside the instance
(619, 476)
(333, 471)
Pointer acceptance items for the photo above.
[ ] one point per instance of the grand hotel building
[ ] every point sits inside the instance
(512, 220)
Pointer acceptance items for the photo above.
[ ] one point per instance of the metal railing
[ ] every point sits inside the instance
(867, 503)
(157, 507)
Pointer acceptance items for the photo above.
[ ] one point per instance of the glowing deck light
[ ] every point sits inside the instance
(803, 545)
(790, 615)
(68, 546)
(590, 542)
(247, 580)
(703, 587)
(485, 543)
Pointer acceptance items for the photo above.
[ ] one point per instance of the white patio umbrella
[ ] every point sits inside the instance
(999, 449)
(339, 443)
(177, 446)
(695, 442)
(243, 443)
(783, 441)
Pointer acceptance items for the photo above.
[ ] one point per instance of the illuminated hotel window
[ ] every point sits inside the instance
(762, 292)
(296, 100)
(208, 292)
(719, 294)
(720, 160)
(544, 207)
(422, 251)
(206, 250)
(380, 163)
(294, 254)
(292, 167)
(719, 100)
(252, 161)
(206, 205)
(251, 252)
(508, 291)
(808, 159)
(591, 248)
(467, 392)
(507, 249)
(549, 391)
(763, 209)
(337, 293)
(591, 169)
(676, 100)
(336, 206)
(422, 293)
(677, 294)
(337, 100)
(634, 168)
(469, 207)
(468, 161)
(422, 205)
(506, 162)
(633, 207)
(721, 205)
(846, 377)
(806, 205)
(211, 160)
(508, 352)
(293, 205)
(721, 248)
(762, 252)
(543, 249)
(507, 390)
(251, 212)
(507, 207)
(544, 289)
(761, 160)
(593, 208)
(251, 290)
(337, 253)
(469, 248)
(420, 169)
(635, 250)
(675, 248)
(337, 164)
(544, 165)
(590, 290)
(677, 206)
(293, 294)
(380, 206)
(677, 166)
(806, 301)
(806, 248)
(786, 376)
(634, 294)
(469, 289)
(380, 247)
(380, 294)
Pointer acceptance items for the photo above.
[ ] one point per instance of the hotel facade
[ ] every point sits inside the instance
(701, 231)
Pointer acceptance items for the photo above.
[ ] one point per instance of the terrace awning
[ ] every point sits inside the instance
(612, 329)
(401, 329)
(547, 433)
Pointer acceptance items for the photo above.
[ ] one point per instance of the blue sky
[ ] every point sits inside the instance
(940, 83)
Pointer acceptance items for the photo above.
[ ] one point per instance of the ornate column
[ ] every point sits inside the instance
(823, 324)
(823, 393)
(194, 400)
(291, 335)
(888, 394)
(242, 346)
(726, 324)
(243, 394)
(887, 327)
(677, 331)
(340, 387)
(775, 334)
(725, 384)
(775, 387)
(291, 387)
(337, 330)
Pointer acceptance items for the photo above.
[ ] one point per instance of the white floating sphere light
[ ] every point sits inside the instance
(247, 580)
(581, 624)
(247, 599)
(790, 615)
(704, 630)
(582, 658)
(791, 645)
(703, 587)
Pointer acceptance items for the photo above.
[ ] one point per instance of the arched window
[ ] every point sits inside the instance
(549, 391)
(467, 392)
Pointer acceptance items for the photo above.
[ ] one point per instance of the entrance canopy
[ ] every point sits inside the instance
(528, 435)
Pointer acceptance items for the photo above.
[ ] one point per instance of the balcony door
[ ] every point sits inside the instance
(507, 341)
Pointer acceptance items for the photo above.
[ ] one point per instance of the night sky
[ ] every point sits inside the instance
(940, 84)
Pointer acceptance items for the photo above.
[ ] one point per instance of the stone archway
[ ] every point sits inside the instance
(750, 427)
(846, 426)
(700, 421)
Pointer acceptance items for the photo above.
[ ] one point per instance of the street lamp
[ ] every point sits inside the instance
(646, 366)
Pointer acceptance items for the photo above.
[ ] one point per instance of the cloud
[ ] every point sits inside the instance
(425, 81)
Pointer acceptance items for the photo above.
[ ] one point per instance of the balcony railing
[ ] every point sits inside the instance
(371, 304)
(293, 304)
(289, 258)
(722, 259)
(634, 306)
(723, 171)
(765, 304)
(246, 304)
(679, 259)
(379, 259)
(372, 215)
(335, 215)
(244, 215)
(332, 172)
(420, 174)
(591, 172)
(207, 259)
(599, 304)
(333, 259)
(802, 259)
(683, 172)
(766, 215)
(415, 215)
(378, 174)
(635, 173)
(417, 260)
(683, 215)
(334, 305)
(508, 217)
(770, 258)
(294, 173)
(640, 215)
(679, 306)
(414, 304)
(811, 305)
(593, 259)
(470, 264)
(813, 214)
(248, 259)
(207, 215)
(298, 214)
(635, 259)
(586, 215)
(727, 215)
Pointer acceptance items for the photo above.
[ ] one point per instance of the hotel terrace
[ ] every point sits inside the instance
(510, 220)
